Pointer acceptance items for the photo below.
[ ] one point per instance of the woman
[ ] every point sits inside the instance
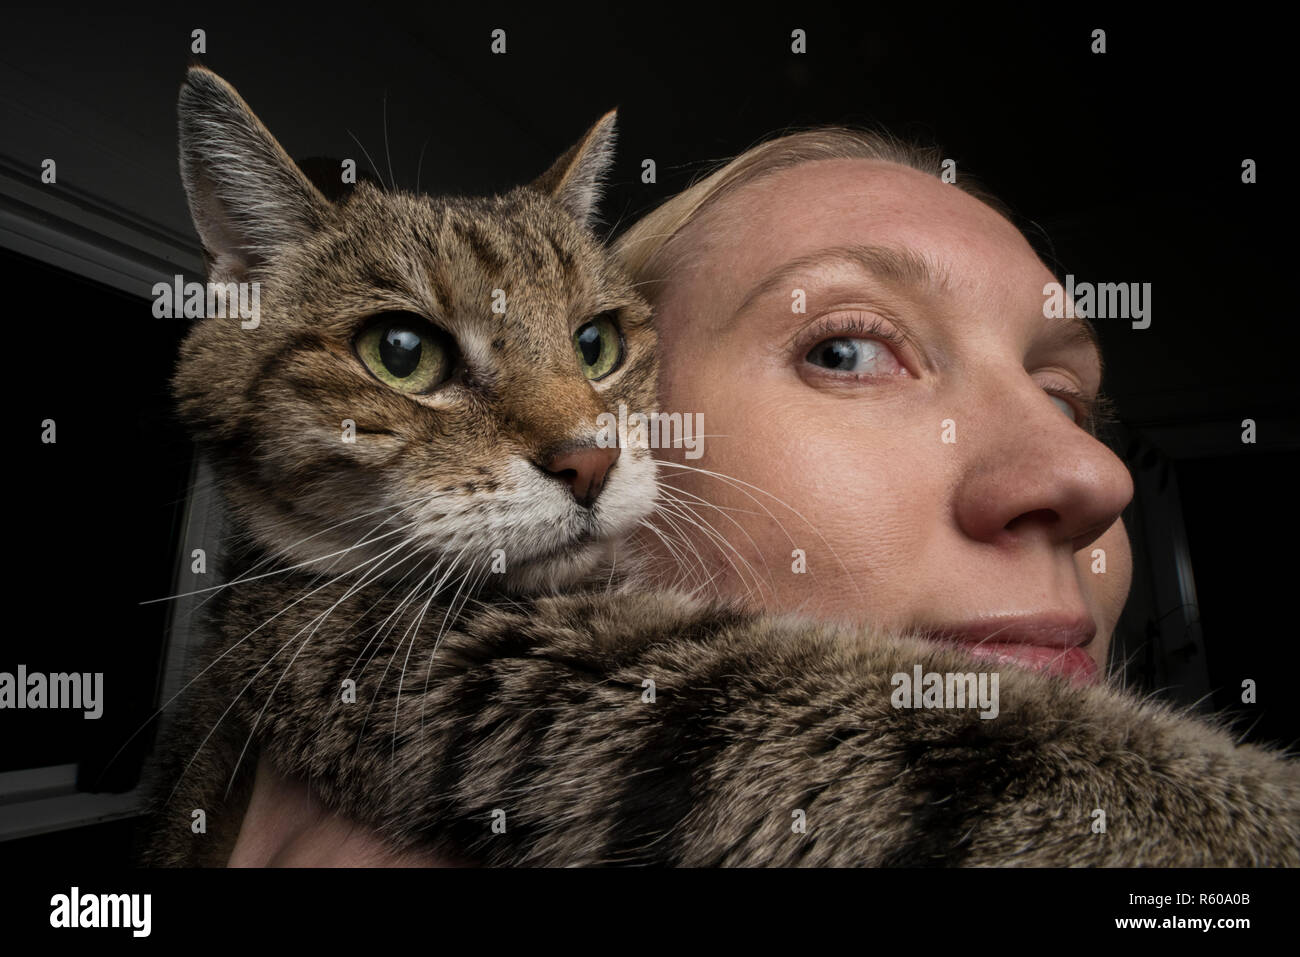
(869, 345)
(895, 433)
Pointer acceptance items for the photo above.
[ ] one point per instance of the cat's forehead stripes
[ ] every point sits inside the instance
(451, 260)
(482, 243)
(454, 256)
(513, 245)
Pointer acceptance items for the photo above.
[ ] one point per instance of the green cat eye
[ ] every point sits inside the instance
(405, 351)
(599, 346)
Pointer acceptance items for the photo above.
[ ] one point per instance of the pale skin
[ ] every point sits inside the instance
(899, 528)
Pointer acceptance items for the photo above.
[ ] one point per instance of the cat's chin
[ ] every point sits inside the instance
(565, 569)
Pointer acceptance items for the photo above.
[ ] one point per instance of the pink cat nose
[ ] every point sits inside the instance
(584, 469)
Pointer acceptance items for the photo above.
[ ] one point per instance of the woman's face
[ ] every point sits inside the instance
(868, 348)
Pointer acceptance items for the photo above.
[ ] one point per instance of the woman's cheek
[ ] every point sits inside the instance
(1106, 573)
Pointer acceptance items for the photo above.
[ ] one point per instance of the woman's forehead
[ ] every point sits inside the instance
(860, 200)
(801, 212)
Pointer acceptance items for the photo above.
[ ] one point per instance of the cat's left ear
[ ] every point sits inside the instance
(247, 197)
(575, 179)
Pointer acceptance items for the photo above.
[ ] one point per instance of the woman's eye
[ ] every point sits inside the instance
(1065, 407)
(866, 356)
(407, 352)
(599, 346)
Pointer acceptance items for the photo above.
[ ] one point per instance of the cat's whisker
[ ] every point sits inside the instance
(389, 622)
(752, 584)
(414, 633)
(454, 607)
(613, 568)
(400, 506)
(744, 488)
(675, 534)
(669, 512)
(254, 545)
(315, 624)
(378, 175)
(707, 584)
(392, 180)
(363, 540)
(393, 618)
(378, 628)
(185, 687)
(1121, 672)
(228, 651)
(450, 615)
(721, 544)
(683, 570)
(409, 503)
(420, 163)
(667, 493)
(647, 282)
(278, 571)
(664, 488)
(411, 596)
(678, 564)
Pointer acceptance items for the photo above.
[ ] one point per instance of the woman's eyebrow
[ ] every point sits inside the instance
(1075, 332)
(896, 265)
(900, 266)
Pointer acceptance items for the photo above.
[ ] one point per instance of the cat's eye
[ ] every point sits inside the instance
(599, 345)
(406, 351)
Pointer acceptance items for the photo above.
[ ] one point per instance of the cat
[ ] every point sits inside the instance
(420, 391)
(438, 624)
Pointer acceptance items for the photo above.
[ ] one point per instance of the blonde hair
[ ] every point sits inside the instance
(650, 249)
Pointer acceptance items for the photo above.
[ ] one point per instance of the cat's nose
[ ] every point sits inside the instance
(583, 469)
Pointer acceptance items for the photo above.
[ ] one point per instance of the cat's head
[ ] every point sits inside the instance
(425, 375)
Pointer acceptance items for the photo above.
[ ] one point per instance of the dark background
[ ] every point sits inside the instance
(1122, 167)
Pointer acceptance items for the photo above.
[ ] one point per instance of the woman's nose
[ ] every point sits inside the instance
(1027, 469)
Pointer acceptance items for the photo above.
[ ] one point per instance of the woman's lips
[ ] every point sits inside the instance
(1072, 663)
(1052, 644)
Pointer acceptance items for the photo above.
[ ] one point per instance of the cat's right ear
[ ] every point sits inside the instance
(574, 180)
(247, 197)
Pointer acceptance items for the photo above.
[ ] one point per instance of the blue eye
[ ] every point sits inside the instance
(844, 354)
(1064, 406)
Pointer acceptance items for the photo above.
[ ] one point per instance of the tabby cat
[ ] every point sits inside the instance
(433, 620)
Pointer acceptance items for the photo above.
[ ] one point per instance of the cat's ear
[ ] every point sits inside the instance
(574, 180)
(246, 195)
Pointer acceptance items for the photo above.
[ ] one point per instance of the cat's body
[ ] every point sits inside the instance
(528, 734)
(607, 724)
